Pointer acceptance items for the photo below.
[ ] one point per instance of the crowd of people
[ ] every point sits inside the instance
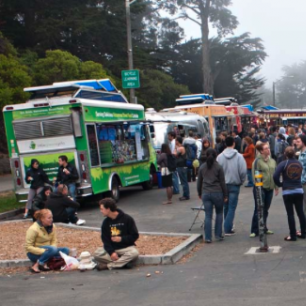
(279, 154)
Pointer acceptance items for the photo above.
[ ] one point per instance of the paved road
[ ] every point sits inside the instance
(218, 274)
(6, 182)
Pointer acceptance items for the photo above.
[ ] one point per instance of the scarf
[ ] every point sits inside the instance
(48, 229)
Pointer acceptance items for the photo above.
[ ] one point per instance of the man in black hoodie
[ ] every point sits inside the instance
(63, 208)
(118, 234)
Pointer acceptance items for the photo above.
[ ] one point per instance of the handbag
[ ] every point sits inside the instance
(165, 171)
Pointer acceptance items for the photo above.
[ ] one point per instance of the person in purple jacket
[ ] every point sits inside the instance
(291, 171)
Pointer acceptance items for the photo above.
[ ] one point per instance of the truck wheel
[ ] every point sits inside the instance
(148, 184)
(115, 189)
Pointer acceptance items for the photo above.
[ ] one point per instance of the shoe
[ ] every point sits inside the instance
(167, 202)
(81, 222)
(300, 236)
(268, 232)
(174, 193)
(42, 268)
(207, 241)
(34, 271)
(231, 233)
(220, 238)
(288, 238)
(25, 216)
(128, 266)
(101, 266)
(184, 199)
(253, 235)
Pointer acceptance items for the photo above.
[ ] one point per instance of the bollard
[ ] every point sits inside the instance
(260, 209)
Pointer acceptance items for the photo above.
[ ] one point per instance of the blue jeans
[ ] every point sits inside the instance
(50, 252)
(250, 178)
(267, 196)
(175, 182)
(182, 172)
(72, 188)
(211, 200)
(71, 215)
(230, 207)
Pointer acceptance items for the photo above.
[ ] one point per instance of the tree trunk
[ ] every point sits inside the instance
(207, 77)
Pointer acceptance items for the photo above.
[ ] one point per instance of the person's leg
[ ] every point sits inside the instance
(225, 207)
(304, 199)
(218, 203)
(31, 195)
(254, 226)
(267, 196)
(250, 178)
(300, 213)
(33, 257)
(101, 256)
(50, 251)
(126, 255)
(184, 181)
(175, 182)
(169, 193)
(71, 215)
(233, 192)
(288, 201)
(72, 189)
(208, 206)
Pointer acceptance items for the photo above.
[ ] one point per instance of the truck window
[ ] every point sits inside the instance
(93, 145)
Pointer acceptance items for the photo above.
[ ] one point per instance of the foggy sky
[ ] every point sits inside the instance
(280, 23)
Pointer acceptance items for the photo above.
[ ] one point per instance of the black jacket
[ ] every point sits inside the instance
(39, 201)
(39, 178)
(237, 140)
(123, 226)
(58, 203)
(66, 179)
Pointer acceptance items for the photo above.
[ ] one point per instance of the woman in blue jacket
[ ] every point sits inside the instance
(291, 171)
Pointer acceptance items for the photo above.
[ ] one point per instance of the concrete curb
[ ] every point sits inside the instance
(170, 257)
(11, 213)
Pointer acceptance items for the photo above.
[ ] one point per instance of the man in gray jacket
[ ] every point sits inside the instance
(235, 170)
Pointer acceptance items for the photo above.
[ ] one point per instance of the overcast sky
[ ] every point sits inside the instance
(280, 23)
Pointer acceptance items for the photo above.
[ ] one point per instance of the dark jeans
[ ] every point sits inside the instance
(267, 196)
(71, 215)
(250, 178)
(50, 252)
(290, 201)
(182, 172)
(230, 207)
(175, 183)
(211, 200)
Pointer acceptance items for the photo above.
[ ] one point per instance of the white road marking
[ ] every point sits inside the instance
(255, 250)
(302, 276)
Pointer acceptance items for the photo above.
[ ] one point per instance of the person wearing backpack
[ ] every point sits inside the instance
(181, 168)
(280, 146)
(272, 140)
(191, 153)
(166, 173)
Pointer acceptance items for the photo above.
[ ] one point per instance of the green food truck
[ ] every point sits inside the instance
(92, 123)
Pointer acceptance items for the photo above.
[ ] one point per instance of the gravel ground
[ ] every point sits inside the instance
(12, 240)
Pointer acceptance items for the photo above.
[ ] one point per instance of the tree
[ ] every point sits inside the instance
(203, 12)
(291, 88)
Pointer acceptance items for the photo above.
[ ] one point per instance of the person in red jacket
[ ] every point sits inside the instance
(249, 156)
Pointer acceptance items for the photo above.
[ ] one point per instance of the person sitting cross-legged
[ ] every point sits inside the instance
(41, 242)
(118, 233)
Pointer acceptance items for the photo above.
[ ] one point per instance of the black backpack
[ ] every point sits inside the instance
(171, 160)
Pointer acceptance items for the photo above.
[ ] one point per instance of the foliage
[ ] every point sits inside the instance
(8, 202)
(291, 89)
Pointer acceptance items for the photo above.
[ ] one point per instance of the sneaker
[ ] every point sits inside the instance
(184, 199)
(81, 222)
(268, 232)
(253, 235)
(220, 238)
(25, 216)
(207, 241)
(231, 233)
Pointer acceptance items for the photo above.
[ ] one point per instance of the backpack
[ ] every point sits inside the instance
(171, 161)
(191, 153)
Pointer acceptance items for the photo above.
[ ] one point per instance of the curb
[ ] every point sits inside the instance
(11, 213)
(169, 258)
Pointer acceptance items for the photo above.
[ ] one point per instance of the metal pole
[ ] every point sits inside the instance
(274, 99)
(129, 44)
(260, 208)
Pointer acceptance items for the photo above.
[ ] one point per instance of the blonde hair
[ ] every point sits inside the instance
(41, 214)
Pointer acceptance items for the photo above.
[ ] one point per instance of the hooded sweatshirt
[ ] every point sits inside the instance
(123, 226)
(39, 176)
(234, 166)
(282, 130)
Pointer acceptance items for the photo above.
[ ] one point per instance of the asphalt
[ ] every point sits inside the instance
(217, 274)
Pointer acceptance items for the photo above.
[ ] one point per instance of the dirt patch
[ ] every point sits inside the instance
(12, 240)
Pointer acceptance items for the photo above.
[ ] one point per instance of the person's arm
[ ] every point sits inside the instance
(200, 182)
(59, 175)
(242, 169)
(277, 174)
(247, 153)
(28, 174)
(222, 183)
(73, 174)
(67, 202)
(106, 239)
(45, 177)
(30, 243)
(53, 238)
(132, 232)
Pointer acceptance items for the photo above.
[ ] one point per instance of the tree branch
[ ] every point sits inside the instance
(192, 8)
(186, 16)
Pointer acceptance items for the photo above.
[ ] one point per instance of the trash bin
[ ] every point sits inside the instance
(159, 179)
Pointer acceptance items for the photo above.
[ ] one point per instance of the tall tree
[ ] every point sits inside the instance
(202, 13)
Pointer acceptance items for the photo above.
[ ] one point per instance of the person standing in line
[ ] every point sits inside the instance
(249, 156)
(237, 140)
(272, 140)
(301, 145)
(205, 147)
(235, 170)
(222, 146)
(282, 131)
(291, 172)
(212, 190)
(181, 168)
(37, 178)
(291, 136)
(191, 153)
(67, 175)
(175, 178)
(280, 145)
(267, 165)
(253, 135)
(162, 161)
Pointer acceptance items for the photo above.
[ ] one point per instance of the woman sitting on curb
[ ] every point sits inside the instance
(41, 241)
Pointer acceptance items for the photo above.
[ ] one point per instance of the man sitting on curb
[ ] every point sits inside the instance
(63, 208)
(118, 233)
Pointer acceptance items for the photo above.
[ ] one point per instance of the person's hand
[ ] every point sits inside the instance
(30, 178)
(66, 171)
(54, 179)
(276, 192)
(114, 256)
(225, 200)
(116, 239)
